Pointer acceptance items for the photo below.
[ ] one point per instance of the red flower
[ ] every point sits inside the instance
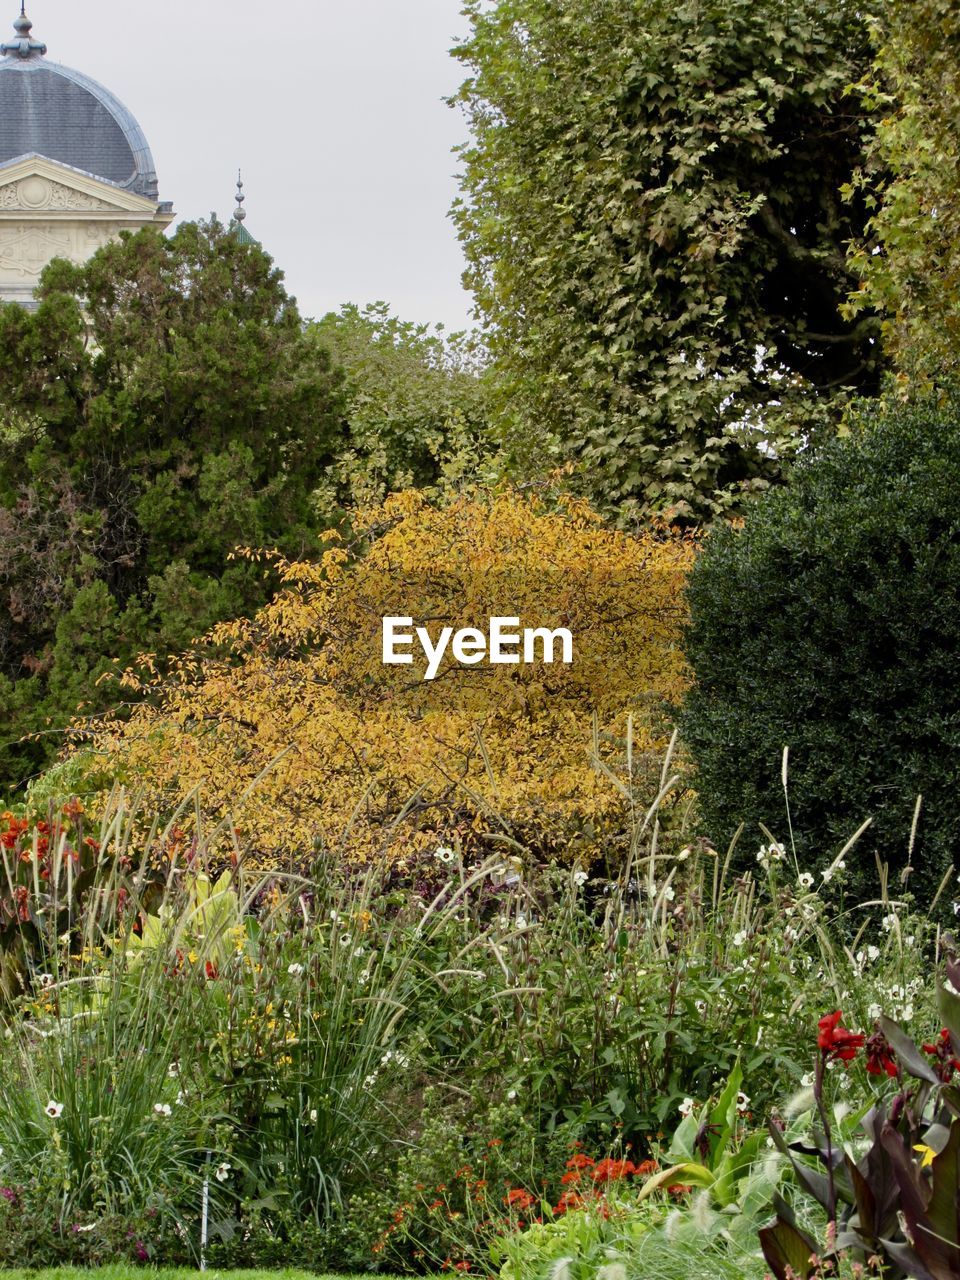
(210, 969)
(646, 1167)
(837, 1042)
(880, 1057)
(612, 1170)
(517, 1198)
(942, 1050)
(579, 1161)
(574, 1177)
(679, 1189)
(569, 1200)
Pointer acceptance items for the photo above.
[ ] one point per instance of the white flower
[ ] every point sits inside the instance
(511, 1095)
(54, 1109)
(742, 1102)
(444, 855)
(173, 1070)
(669, 893)
(790, 934)
(579, 878)
(313, 1116)
(805, 880)
(181, 1098)
(740, 938)
(295, 969)
(888, 922)
(807, 1080)
(521, 922)
(345, 940)
(222, 1171)
(873, 953)
(827, 874)
(686, 1107)
(683, 855)
(45, 979)
(161, 1108)
(370, 1080)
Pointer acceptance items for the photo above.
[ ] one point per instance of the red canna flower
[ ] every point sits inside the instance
(942, 1050)
(880, 1056)
(837, 1042)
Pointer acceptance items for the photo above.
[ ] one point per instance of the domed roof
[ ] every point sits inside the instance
(50, 110)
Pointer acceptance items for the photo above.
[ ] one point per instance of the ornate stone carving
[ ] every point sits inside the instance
(41, 193)
(25, 251)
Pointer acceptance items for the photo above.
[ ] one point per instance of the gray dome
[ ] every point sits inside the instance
(53, 111)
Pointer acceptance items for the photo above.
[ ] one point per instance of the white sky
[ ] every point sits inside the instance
(333, 110)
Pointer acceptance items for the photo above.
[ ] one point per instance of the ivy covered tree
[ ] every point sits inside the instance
(910, 262)
(656, 237)
(160, 406)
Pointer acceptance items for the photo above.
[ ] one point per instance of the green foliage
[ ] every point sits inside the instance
(416, 404)
(161, 406)
(829, 623)
(909, 263)
(656, 238)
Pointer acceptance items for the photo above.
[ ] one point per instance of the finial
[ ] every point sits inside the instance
(239, 212)
(24, 46)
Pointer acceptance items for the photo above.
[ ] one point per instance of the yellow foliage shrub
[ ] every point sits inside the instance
(289, 726)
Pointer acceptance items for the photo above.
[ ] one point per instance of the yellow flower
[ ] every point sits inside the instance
(928, 1154)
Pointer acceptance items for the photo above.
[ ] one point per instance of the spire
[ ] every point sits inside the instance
(236, 227)
(24, 46)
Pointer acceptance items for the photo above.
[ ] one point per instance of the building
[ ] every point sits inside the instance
(75, 168)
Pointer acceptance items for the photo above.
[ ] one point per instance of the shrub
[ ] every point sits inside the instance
(292, 725)
(830, 622)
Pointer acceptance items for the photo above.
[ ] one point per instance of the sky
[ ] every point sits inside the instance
(334, 112)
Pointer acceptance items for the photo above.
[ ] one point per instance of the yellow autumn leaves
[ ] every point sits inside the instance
(289, 727)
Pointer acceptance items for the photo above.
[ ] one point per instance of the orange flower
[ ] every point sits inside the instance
(518, 1198)
(612, 1170)
(569, 1200)
(580, 1161)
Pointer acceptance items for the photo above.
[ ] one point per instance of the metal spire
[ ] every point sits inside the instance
(240, 212)
(24, 46)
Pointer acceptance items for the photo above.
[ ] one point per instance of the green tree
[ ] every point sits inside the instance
(160, 406)
(416, 403)
(656, 238)
(830, 623)
(910, 261)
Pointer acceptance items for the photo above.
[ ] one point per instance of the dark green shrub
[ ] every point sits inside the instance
(830, 622)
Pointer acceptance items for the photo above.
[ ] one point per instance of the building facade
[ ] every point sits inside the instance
(75, 168)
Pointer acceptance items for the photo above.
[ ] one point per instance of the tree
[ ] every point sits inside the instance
(416, 403)
(909, 261)
(656, 238)
(160, 406)
(830, 623)
(291, 728)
